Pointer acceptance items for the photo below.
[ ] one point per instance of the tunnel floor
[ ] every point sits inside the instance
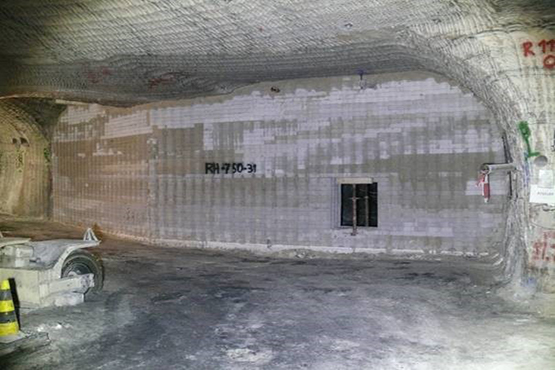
(170, 308)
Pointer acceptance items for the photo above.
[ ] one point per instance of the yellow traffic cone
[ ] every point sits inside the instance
(8, 320)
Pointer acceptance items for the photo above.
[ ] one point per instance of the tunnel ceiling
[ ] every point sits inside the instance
(125, 52)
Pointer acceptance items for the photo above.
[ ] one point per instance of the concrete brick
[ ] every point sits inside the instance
(418, 135)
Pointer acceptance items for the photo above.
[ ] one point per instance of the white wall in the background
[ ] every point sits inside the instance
(140, 172)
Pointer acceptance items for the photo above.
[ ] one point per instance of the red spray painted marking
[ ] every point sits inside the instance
(549, 62)
(546, 46)
(527, 46)
(166, 78)
(96, 75)
(544, 248)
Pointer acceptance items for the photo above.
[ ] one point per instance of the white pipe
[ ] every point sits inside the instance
(488, 168)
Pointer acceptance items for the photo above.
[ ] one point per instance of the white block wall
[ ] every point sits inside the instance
(140, 172)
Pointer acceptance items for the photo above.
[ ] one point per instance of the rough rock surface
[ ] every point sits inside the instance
(25, 156)
(192, 309)
(133, 51)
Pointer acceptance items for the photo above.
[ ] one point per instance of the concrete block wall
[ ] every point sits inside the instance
(140, 172)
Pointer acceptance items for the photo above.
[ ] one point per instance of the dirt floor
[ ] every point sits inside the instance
(165, 308)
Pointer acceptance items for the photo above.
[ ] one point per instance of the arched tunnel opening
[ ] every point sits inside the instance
(341, 195)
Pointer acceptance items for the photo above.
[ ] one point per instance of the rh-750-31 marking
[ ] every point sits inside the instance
(226, 168)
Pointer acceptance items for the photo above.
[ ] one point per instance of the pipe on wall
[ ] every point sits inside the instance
(489, 168)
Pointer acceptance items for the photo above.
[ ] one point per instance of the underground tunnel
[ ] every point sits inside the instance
(358, 184)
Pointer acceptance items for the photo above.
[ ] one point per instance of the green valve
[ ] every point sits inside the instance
(525, 131)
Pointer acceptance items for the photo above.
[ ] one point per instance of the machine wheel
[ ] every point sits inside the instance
(81, 262)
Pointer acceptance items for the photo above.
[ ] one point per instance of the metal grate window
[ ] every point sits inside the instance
(359, 205)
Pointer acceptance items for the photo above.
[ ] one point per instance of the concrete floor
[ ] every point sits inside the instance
(191, 309)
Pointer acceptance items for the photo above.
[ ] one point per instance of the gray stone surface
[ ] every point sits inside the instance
(137, 51)
(190, 309)
(25, 177)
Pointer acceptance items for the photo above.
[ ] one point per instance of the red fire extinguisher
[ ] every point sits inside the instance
(483, 182)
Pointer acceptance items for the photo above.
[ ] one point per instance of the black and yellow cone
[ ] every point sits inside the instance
(8, 318)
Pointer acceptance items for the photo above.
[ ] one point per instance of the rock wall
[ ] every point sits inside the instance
(25, 181)
(501, 50)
